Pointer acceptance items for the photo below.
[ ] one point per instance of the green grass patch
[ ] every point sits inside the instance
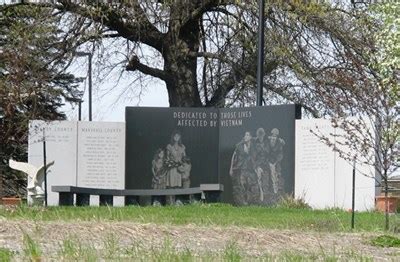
(71, 249)
(31, 248)
(386, 241)
(74, 250)
(331, 220)
(6, 254)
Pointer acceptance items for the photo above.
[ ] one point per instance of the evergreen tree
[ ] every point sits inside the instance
(33, 82)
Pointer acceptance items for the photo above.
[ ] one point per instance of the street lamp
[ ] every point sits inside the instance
(80, 109)
(1, 152)
(260, 47)
(89, 55)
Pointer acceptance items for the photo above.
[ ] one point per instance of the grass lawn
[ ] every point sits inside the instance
(112, 244)
(331, 220)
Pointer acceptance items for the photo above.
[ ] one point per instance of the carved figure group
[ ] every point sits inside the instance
(256, 168)
(170, 166)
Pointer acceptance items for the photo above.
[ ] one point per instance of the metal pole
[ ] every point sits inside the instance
(45, 168)
(260, 60)
(1, 153)
(353, 195)
(80, 110)
(90, 86)
(1, 178)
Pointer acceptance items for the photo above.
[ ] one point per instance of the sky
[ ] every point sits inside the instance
(106, 106)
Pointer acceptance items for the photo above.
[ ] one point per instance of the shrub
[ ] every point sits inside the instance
(288, 201)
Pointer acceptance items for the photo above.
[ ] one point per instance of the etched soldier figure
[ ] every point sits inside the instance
(261, 163)
(275, 156)
(244, 178)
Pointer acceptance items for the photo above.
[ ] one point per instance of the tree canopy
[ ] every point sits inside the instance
(33, 84)
(205, 51)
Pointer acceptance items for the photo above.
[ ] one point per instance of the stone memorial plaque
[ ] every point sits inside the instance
(315, 164)
(61, 147)
(101, 161)
(323, 178)
(256, 153)
(171, 147)
(248, 150)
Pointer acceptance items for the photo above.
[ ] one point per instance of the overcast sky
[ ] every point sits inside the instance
(107, 106)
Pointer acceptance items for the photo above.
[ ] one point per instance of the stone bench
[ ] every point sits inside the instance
(209, 193)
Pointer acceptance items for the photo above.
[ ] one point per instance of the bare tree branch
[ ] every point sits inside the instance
(134, 64)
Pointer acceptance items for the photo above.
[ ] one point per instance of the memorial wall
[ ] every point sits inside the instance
(259, 154)
(86, 154)
(101, 157)
(323, 179)
(61, 146)
(248, 150)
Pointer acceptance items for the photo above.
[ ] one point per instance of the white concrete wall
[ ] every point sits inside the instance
(61, 147)
(87, 154)
(101, 157)
(324, 179)
(314, 166)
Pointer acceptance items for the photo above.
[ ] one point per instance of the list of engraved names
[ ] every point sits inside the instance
(101, 157)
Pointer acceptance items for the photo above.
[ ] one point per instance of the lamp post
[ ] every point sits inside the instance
(80, 109)
(353, 194)
(89, 55)
(45, 167)
(260, 47)
(1, 152)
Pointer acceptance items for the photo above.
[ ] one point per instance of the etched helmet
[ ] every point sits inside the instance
(275, 132)
(260, 132)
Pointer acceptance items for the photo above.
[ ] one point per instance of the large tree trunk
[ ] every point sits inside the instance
(182, 39)
(182, 82)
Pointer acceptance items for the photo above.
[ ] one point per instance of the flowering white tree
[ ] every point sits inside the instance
(388, 65)
(368, 109)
